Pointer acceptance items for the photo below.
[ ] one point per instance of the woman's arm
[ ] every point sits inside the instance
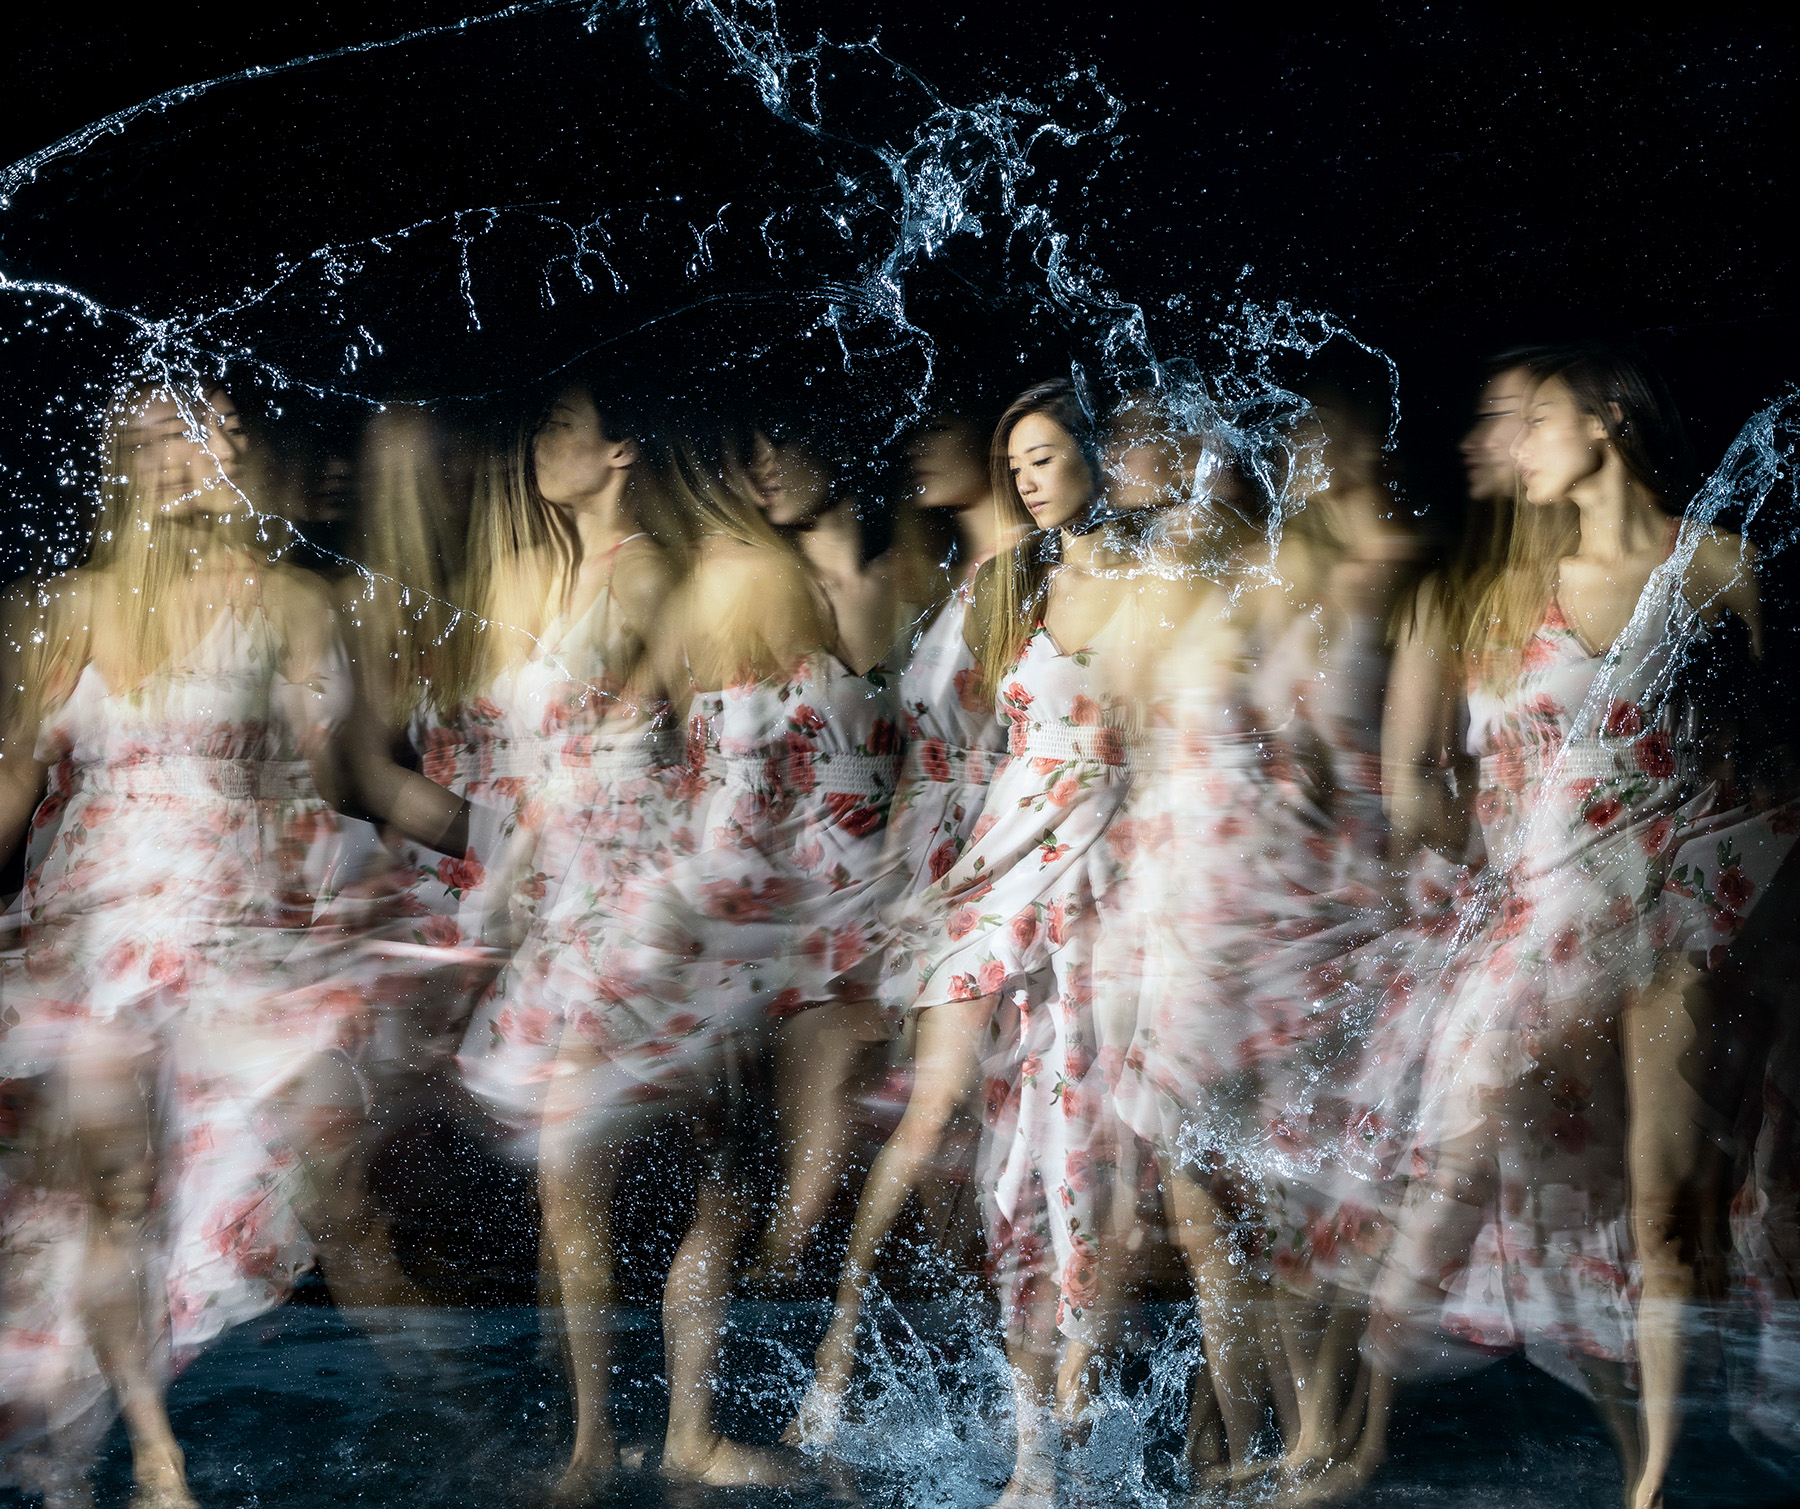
(1417, 729)
(345, 738)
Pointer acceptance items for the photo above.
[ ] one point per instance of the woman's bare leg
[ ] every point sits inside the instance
(1670, 1155)
(819, 1057)
(695, 1301)
(1347, 1476)
(1321, 1338)
(948, 1068)
(1032, 1351)
(576, 1179)
(1202, 1231)
(126, 1310)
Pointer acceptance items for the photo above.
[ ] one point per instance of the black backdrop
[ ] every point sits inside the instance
(1444, 180)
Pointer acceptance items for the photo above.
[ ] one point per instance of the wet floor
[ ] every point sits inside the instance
(299, 1409)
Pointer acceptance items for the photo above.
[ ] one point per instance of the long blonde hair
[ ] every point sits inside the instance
(523, 553)
(1009, 590)
(415, 531)
(138, 556)
(758, 631)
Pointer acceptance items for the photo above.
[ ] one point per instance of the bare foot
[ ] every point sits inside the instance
(1032, 1486)
(1205, 1435)
(585, 1479)
(1333, 1484)
(816, 1421)
(159, 1481)
(730, 1464)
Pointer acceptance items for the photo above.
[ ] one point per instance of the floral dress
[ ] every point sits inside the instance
(591, 806)
(1614, 841)
(1246, 881)
(755, 897)
(459, 919)
(176, 920)
(954, 745)
(1018, 917)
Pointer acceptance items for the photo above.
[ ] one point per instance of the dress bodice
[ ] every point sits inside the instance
(941, 690)
(820, 727)
(1580, 742)
(226, 701)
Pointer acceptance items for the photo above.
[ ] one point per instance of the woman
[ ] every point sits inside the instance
(954, 744)
(1242, 882)
(1001, 944)
(178, 1001)
(665, 981)
(831, 839)
(582, 471)
(1432, 852)
(1618, 867)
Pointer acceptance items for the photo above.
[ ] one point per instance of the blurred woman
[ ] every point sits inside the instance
(1617, 865)
(1001, 944)
(575, 578)
(671, 974)
(831, 839)
(177, 1000)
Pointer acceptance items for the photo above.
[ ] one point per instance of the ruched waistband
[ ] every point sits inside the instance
(1593, 760)
(199, 776)
(862, 775)
(933, 760)
(1179, 748)
(1088, 744)
(606, 757)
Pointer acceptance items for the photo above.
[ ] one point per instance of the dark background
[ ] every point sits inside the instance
(1444, 181)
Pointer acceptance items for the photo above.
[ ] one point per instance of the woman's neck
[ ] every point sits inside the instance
(603, 519)
(1088, 552)
(832, 542)
(1619, 516)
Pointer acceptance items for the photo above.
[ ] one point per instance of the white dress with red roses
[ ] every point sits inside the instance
(1018, 917)
(176, 921)
(954, 744)
(1240, 899)
(1612, 843)
(755, 896)
(461, 918)
(790, 875)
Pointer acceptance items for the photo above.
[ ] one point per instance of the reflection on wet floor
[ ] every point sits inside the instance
(297, 1409)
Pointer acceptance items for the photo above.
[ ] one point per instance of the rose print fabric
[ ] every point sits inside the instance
(1018, 917)
(758, 896)
(1615, 839)
(954, 745)
(584, 800)
(1250, 854)
(187, 918)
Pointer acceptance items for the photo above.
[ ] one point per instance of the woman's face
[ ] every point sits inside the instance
(1053, 480)
(1487, 448)
(1558, 446)
(789, 483)
(574, 458)
(949, 464)
(186, 471)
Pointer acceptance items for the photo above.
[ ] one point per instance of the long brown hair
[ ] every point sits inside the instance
(1009, 591)
(1633, 406)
